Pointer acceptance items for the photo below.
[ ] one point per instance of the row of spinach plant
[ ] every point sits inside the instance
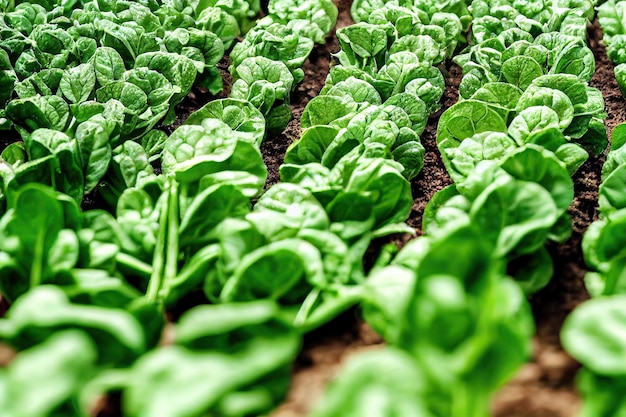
(113, 275)
(525, 122)
(592, 332)
(360, 142)
(80, 79)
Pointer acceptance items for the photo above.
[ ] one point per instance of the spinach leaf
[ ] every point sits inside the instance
(313, 19)
(276, 42)
(116, 333)
(401, 389)
(596, 342)
(36, 248)
(242, 117)
(48, 378)
(253, 371)
(211, 152)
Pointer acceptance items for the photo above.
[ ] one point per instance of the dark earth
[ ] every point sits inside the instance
(545, 387)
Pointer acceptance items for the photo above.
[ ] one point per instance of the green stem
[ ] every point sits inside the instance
(183, 201)
(36, 272)
(53, 181)
(133, 265)
(316, 311)
(469, 403)
(171, 257)
(156, 278)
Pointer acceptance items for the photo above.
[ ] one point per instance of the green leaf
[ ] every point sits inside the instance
(594, 335)
(532, 271)
(129, 167)
(611, 197)
(108, 65)
(14, 153)
(363, 45)
(414, 107)
(377, 392)
(601, 394)
(286, 210)
(45, 310)
(208, 209)
(549, 97)
(224, 384)
(94, 141)
(78, 83)
(575, 58)
(178, 69)
(278, 118)
(502, 97)
(50, 112)
(257, 277)
(620, 76)
(521, 71)
(466, 156)
(464, 120)
(571, 85)
(212, 151)
(131, 96)
(240, 115)
(30, 230)
(238, 326)
(318, 17)
(516, 215)
(532, 120)
(49, 376)
(153, 143)
(66, 173)
(274, 75)
(356, 90)
(324, 110)
(218, 21)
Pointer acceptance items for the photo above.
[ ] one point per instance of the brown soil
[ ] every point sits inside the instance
(545, 387)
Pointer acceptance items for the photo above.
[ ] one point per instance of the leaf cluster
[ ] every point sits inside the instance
(427, 372)
(492, 17)
(267, 64)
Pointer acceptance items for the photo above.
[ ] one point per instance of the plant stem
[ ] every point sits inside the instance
(156, 277)
(36, 273)
(132, 264)
(171, 256)
(316, 311)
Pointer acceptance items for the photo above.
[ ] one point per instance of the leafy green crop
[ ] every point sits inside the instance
(601, 243)
(409, 302)
(611, 18)
(44, 380)
(78, 82)
(596, 344)
(198, 280)
(246, 354)
(491, 17)
(267, 64)
(390, 382)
